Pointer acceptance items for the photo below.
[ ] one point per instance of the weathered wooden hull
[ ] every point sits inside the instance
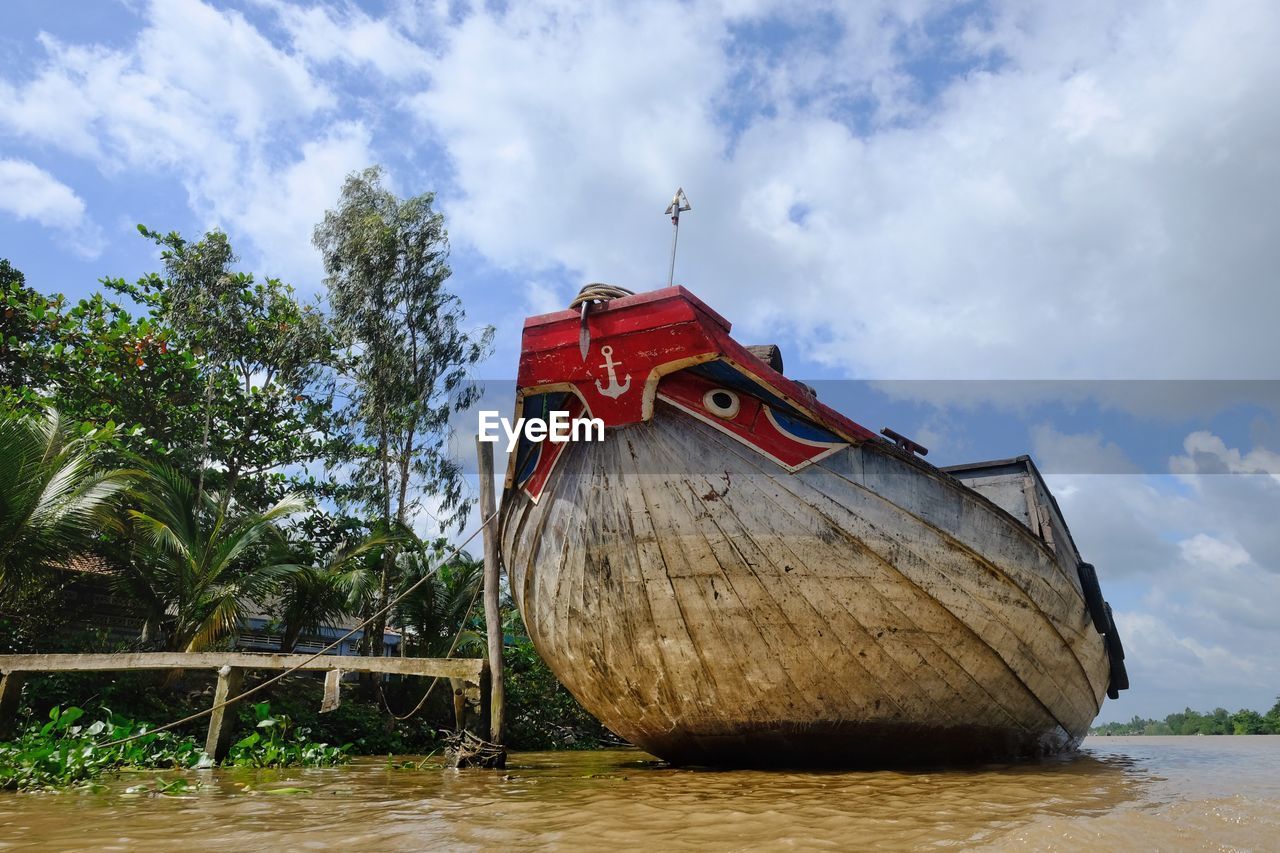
(711, 607)
(739, 574)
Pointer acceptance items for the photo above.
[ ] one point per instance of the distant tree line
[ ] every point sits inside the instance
(1219, 721)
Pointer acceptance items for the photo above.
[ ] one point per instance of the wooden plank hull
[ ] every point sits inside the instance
(713, 607)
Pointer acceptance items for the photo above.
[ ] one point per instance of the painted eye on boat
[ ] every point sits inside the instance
(721, 403)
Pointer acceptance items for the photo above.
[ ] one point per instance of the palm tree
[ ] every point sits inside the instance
(311, 597)
(440, 610)
(437, 609)
(53, 501)
(197, 561)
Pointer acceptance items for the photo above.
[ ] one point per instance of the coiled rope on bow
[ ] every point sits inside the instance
(258, 688)
(599, 292)
(588, 296)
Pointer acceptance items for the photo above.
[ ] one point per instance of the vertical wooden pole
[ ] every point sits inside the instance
(222, 721)
(10, 697)
(332, 691)
(492, 616)
(457, 687)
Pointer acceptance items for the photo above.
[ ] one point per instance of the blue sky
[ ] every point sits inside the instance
(930, 198)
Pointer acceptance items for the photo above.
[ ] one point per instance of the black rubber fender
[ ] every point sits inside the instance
(1115, 655)
(1093, 596)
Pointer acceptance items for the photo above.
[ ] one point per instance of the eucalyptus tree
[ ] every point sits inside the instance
(386, 265)
(53, 499)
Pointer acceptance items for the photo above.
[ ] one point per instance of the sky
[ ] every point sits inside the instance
(999, 227)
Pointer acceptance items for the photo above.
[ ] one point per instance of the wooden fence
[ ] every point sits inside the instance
(469, 678)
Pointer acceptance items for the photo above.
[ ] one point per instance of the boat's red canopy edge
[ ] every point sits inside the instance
(634, 342)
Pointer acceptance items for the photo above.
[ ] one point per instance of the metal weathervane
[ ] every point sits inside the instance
(596, 292)
(679, 204)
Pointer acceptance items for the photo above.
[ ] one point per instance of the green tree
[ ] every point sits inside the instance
(308, 599)
(386, 264)
(262, 351)
(204, 365)
(23, 336)
(107, 365)
(197, 568)
(314, 596)
(1272, 719)
(1246, 722)
(53, 500)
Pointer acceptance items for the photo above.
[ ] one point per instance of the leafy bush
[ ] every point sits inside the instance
(361, 719)
(278, 743)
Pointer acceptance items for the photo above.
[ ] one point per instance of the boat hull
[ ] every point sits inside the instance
(713, 607)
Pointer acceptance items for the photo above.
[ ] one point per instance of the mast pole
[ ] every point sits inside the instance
(678, 204)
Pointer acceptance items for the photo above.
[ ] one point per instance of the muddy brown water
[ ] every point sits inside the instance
(1117, 793)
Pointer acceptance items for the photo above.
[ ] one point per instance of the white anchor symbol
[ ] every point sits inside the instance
(613, 390)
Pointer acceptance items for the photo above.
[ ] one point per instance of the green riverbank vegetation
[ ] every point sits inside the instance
(67, 752)
(186, 453)
(1219, 721)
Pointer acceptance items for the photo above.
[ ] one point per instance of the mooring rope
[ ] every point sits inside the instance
(599, 292)
(246, 694)
(457, 638)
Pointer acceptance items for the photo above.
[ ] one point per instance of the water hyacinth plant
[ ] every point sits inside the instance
(277, 743)
(65, 753)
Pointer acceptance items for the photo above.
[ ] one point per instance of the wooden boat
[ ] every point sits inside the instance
(739, 575)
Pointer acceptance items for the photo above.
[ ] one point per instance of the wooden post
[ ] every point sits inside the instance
(10, 698)
(492, 617)
(457, 689)
(222, 721)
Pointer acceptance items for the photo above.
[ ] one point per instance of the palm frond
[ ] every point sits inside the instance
(207, 565)
(52, 501)
(222, 619)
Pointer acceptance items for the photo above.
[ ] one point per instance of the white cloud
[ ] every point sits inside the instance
(1209, 454)
(1197, 557)
(347, 35)
(29, 192)
(200, 94)
(1171, 667)
(278, 207)
(566, 127)
(540, 298)
(194, 80)
(1079, 453)
(1213, 553)
(916, 190)
(1090, 193)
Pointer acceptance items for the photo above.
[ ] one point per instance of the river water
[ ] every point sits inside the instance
(1220, 793)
